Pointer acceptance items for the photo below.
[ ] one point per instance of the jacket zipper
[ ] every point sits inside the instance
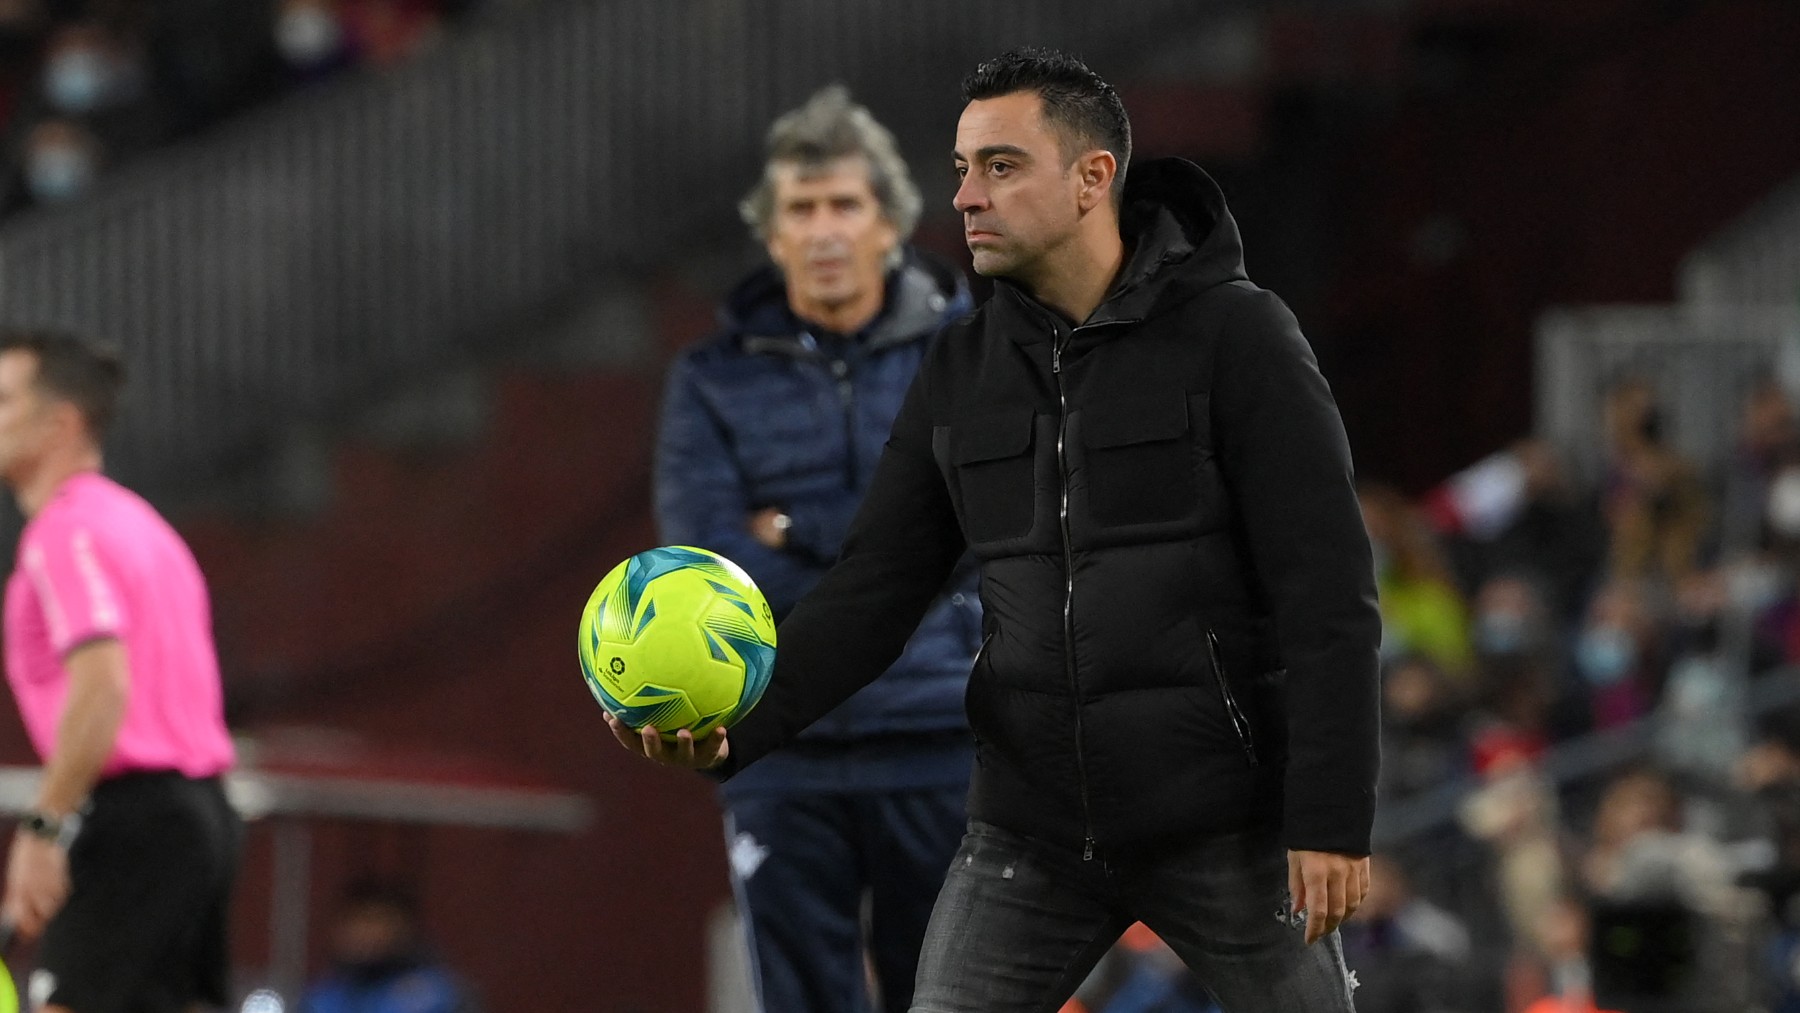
(846, 391)
(1239, 723)
(1062, 467)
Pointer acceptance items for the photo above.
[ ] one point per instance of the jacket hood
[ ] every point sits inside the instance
(1180, 240)
(923, 294)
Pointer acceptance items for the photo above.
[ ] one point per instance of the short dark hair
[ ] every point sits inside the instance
(1085, 109)
(373, 891)
(87, 375)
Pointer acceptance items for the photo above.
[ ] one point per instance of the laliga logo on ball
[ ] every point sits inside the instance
(692, 629)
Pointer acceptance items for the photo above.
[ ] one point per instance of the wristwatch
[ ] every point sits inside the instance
(58, 830)
(781, 522)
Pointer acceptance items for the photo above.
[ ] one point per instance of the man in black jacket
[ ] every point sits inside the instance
(1178, 680)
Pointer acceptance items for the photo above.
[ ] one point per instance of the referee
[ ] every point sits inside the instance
(124, 866)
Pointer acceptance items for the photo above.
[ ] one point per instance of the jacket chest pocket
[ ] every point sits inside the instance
(1147, 460)
(991, 456)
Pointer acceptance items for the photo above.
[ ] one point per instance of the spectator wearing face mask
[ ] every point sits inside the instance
(83, 71)
(61, 159)
(94, 78)
(1511, 619)
(97, 74)
(1516, 629)
(1616, 656)
(134, 76)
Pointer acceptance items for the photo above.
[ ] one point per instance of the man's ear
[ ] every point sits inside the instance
(893, 233)
(66, 420)
(1096, 169)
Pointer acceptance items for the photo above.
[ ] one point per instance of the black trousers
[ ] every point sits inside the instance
(145, 926)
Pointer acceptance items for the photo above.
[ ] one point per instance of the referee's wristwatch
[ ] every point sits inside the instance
(58, 830)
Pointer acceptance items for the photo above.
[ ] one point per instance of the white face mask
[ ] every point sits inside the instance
(78, 80)
(307, 35)
(1784, 504)
(58, 172)
(1498, 632)
(1605, 655)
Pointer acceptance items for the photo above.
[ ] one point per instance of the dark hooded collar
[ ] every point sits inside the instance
(922, 295)
(1181, 240)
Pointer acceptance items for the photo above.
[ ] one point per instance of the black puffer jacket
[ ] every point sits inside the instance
(1181, 628)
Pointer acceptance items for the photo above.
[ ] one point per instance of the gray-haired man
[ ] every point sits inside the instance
(770, 435)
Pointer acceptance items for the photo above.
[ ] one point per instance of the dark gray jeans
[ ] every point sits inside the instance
(1020, 923)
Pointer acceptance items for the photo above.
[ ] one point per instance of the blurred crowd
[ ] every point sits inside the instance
(86, 85)
(1591, 756)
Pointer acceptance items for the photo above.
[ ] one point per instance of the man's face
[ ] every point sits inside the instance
(24, 414)
(1018, 198)
(371, 934)
(829, 235)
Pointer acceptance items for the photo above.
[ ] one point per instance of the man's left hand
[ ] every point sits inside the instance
(770, 527)
(37, 884)
(1328, 886)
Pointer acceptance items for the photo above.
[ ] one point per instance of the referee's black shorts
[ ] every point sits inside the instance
(144, 929)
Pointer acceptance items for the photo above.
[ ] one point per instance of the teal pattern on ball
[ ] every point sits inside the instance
(650, 564)
(625, 614)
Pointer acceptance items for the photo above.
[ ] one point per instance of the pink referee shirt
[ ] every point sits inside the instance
(98, 562)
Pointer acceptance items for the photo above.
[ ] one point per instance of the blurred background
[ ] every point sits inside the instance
(396, 281)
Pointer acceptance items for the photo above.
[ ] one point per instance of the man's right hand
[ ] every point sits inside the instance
(647, 742)
(37, 884)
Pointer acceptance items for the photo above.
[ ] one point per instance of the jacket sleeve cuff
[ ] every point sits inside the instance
(1340, 826)
(749, 740)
